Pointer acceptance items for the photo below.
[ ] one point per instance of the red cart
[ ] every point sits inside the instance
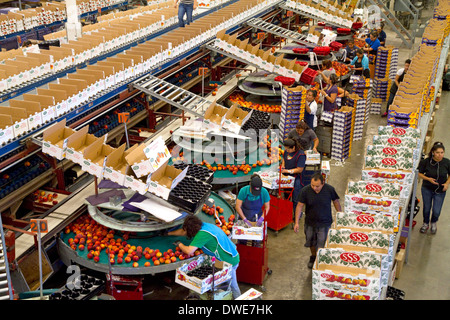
(253, 260)
(280, 213)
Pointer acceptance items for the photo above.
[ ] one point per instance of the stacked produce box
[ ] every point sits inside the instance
(385, 71)
(293, 102)
(363, 88)
(359, 104)
(342, 136)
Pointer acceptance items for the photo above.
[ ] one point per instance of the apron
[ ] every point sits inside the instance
(358, 65)
(252, 208)
(309, 119)
(222, 241)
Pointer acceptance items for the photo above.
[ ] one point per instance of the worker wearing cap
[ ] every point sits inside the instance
(251, 200)
(293, 164)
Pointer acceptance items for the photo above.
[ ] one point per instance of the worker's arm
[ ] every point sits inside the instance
(337, 205)
(396, 80)
(316, 144)
(432, 180)
(178, 232)
(238, 208)
(298, 211)
(266, 208)
(293, 171)
(331, 98)
(189, 250)
(445, 185)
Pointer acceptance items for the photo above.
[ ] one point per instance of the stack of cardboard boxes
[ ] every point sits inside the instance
(385, 71)
(342, 136)
(329, 11)
(359, 104)
(293, 103)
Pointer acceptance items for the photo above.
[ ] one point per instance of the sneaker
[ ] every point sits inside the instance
(433, 228)
(424, 228)
(384, 115)
(312, 259)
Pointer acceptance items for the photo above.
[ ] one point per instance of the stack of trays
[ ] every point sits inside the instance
(293, 101)
(359, 105)
(341, 139)
(259, 120)
(85, 289)
(189, 194)
(194, 170)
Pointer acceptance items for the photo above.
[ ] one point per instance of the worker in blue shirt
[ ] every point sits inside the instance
(360, 64)
(381, 35)
(372, 43)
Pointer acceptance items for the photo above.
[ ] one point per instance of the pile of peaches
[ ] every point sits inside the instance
(96, 238)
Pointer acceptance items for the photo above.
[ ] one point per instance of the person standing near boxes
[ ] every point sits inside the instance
(250, 202)
(185, 7)
(213, 241)
(316, 198)
(435, 173)
(394, 86)
(293, 164)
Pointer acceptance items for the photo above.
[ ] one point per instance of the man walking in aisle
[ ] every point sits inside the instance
(317, 198)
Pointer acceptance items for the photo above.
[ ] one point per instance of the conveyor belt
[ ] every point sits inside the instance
(279, 31)
(172, 94)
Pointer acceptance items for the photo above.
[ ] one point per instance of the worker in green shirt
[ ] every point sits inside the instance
(213, 241)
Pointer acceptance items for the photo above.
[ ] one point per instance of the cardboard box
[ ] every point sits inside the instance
(164, 179)
(342, 274)
(54, 139)
(60, 106)
(138, 161)
(214, 117)
(242, 232)
(138, 184)
(47, 104)
(116, 166)
(6, 129)
(77, 143)
(81, 87)
(19, 118)
(235, 118)
(33, 110)
(94, 157)
(202, 285)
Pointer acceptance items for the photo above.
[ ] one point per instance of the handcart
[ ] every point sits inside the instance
(281, 210)
(253, 260)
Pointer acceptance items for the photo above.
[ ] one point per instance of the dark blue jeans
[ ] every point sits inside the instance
(185, 9)
(390, 100)
(432, 201)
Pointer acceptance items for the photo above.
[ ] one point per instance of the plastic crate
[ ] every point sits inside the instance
(322, 51)
(308, 76)
(301, 50)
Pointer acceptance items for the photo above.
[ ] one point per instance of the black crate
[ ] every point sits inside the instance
(196, 171)
(189, 194)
